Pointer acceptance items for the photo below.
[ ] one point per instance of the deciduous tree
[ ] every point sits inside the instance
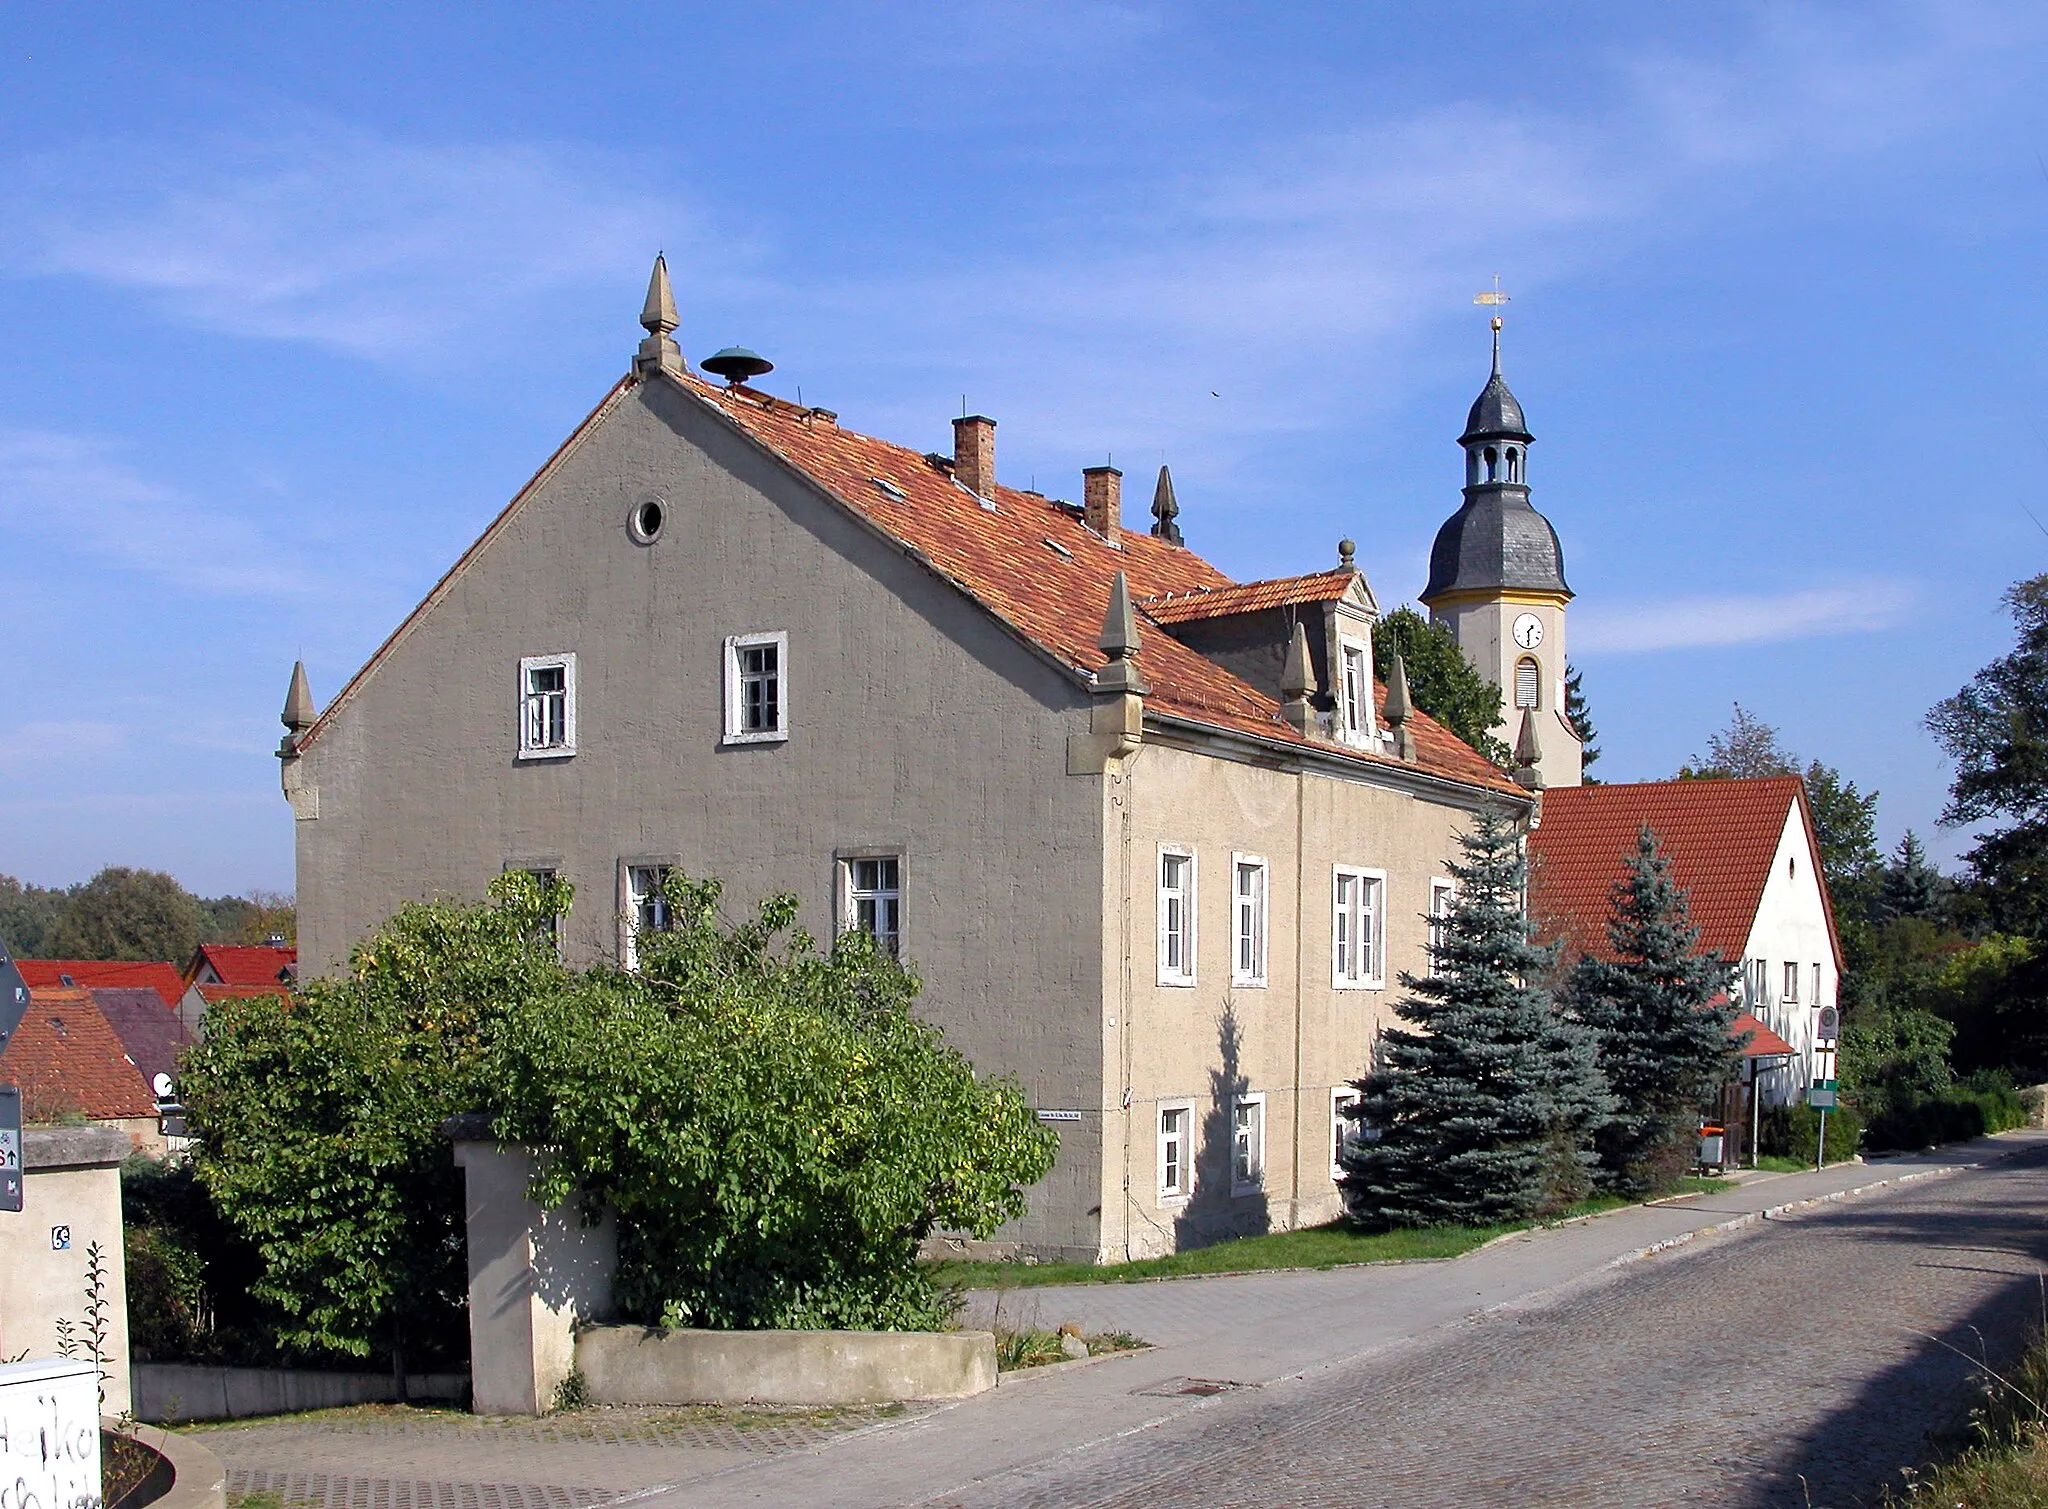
(128, 914)
(1440, 679)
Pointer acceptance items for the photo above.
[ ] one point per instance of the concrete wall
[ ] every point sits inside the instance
(1294, 1039)
(534, 1275)
(74, 1183)
(632, 1365)
(919, 726)
(168, 1392)
(1792, 927)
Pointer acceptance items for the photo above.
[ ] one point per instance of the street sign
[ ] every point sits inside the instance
(1830, 1026)
(13, 997)
(10, 1148)
(1821, 1100)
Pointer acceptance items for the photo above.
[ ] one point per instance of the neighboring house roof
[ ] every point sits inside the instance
(1029, 560)
(1720, 836)
(212, 993)
(1249, 597)
(241, 964)
(1762, 1042)
(67, 1058)
(163, 978)
(151, 1034)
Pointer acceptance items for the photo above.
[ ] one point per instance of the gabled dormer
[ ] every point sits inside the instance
(1249, 628)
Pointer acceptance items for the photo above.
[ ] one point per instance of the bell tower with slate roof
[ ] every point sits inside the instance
(1496, 581)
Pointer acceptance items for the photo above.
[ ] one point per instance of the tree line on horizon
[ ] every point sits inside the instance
(133, 914)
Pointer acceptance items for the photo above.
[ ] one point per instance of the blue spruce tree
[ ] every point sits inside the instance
(1480, 1113)
(1660, 1011)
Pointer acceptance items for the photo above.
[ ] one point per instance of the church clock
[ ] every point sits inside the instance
(1528, 631)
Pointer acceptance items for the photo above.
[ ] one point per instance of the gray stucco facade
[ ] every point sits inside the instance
(921, 725)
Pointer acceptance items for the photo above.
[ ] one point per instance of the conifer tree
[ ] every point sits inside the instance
(1481, 1113)
(1659, 1009)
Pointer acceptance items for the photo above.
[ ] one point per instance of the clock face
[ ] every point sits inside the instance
(1528, 631)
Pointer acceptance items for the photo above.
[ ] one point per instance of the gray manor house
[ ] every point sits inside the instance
(1156, 841)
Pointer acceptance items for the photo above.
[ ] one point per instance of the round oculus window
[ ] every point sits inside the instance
(645, 521)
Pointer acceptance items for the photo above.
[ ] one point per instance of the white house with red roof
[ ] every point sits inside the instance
(1747, 854)
(1155, 840)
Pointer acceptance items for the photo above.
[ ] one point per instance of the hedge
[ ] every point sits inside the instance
(1794, 1132)
(1953, 1116)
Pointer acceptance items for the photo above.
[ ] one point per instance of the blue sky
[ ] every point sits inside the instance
(292, 298)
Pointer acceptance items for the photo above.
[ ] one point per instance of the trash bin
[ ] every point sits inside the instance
(1713, 1144)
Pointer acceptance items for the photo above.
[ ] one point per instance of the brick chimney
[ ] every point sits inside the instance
(974, 454)
(1102, 499)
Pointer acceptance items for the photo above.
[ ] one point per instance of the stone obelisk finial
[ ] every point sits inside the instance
(659, 352)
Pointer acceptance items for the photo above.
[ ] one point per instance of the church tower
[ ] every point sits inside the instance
(1496, 581)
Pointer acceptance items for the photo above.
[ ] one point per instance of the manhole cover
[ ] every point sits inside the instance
(1201, 1388)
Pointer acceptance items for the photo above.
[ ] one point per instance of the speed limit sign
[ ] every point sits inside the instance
(1830, 1026)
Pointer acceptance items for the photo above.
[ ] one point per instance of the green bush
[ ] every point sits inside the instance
(1794, 1132)
(1954, 1116)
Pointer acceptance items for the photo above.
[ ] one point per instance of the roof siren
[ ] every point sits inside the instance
(737, 365)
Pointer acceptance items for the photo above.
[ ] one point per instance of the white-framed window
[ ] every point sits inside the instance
(547, 707)
(1443, 895)
(1248, 920)
(757, 688)
(1343, 1130)
(1791, 996)
(872, 886)
(1176, 1150)
(1358, 928)
(1755, 984)
(1528, 682)
(646, 909)
(1816, 985)
(1355, 691)
(1176, 917)
(1248, 1143)
(553, 926)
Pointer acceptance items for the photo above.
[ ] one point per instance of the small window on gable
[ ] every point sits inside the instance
(1176, 917)
(1443, 894)
(756, 688)
(1528, 683)
(547, 707)
(1791, 996)
(1816, 985)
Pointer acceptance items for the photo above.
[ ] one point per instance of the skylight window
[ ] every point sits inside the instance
(891, 489)
(1059, 550)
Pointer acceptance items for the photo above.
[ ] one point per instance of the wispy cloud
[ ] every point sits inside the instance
(1705, 622)
(77, 492)
(47, 744)
(384, 249)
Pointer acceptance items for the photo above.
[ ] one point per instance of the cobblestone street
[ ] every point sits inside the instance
(1793, 1364)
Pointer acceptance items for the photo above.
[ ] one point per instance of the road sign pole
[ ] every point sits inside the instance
(1820, 1159)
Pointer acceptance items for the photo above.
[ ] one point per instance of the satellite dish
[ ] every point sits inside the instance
(163, 1086)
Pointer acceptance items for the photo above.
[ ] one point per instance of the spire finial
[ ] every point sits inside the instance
(299, 713)
(1119, 642)
(1165, 509)
(1400, 708)
(1347, 555)
(658, 318)
(1528, 754)
(1495, 297)
(1296, 682)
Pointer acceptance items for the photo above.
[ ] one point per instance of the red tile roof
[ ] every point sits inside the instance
(164, 979)
(1004, 558)
(1763, 1043)
(243, 964)
(67, 1058)
(1248, 597)
(1720, 836)
(1029, 561)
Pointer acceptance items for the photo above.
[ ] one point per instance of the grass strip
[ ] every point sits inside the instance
(1334, 1245)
